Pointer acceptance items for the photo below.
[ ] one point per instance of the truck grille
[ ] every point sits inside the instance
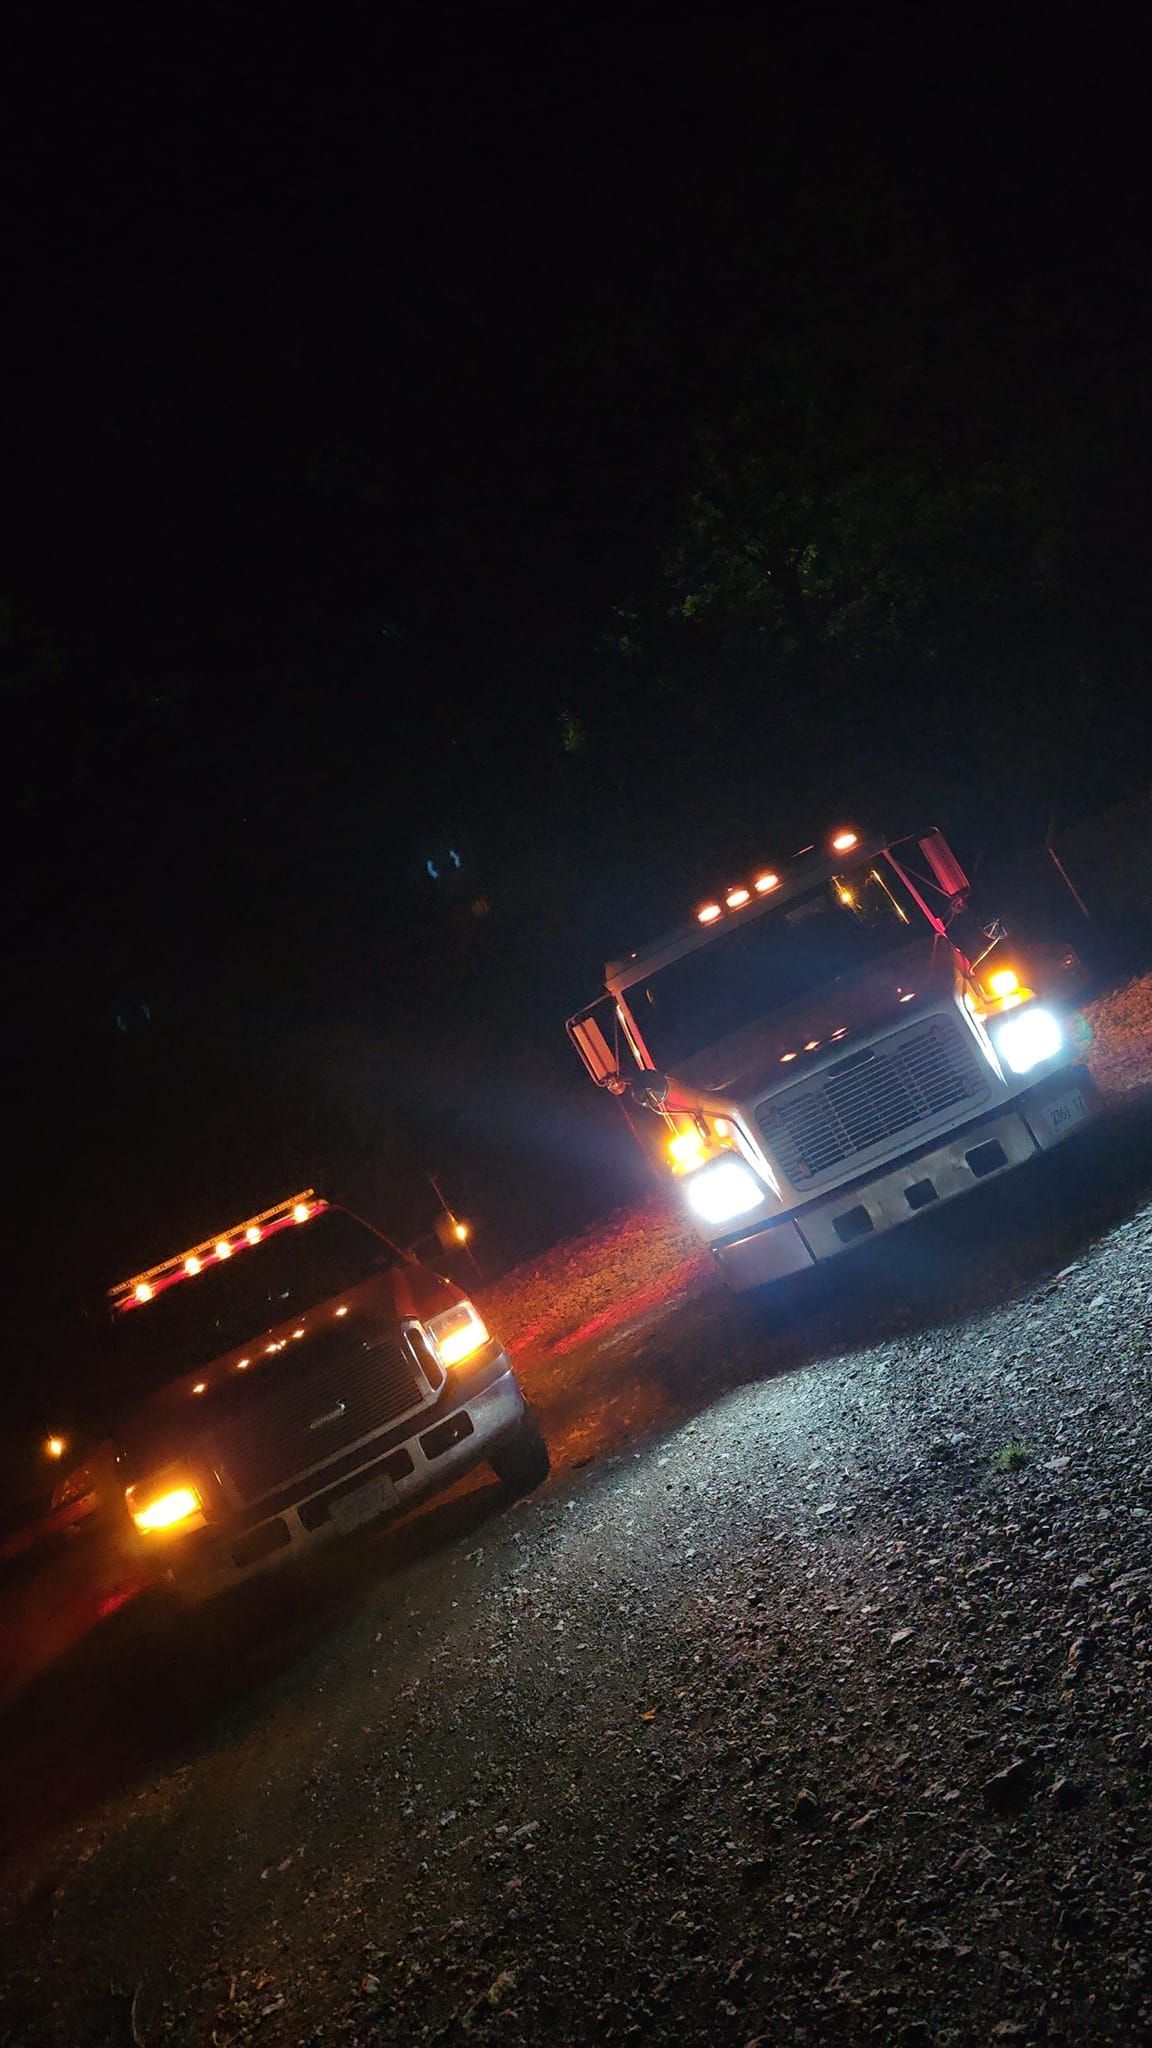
(307, 1412)
(871, 1097)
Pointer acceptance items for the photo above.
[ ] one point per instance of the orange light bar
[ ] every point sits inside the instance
(709, 914)
(845, 841)
(764, 883)
(142, 1286)
(736, 897)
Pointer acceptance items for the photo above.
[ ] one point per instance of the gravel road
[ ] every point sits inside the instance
(809, 1701)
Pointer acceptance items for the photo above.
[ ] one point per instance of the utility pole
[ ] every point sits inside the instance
(460, 1233)
(1062, 871)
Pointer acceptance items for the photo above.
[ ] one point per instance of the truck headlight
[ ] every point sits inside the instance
(457, 1333)
(725, 1189)
(164, 1503)
(1028, 1037)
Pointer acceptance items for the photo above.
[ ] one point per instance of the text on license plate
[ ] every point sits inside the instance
(1065, 1111)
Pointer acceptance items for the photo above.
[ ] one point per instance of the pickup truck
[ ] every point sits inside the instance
(288, 1380)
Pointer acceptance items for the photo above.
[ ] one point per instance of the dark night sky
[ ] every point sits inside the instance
(353, 372)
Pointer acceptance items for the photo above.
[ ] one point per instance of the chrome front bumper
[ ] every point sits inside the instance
(1035, 1121)
(447, 1439)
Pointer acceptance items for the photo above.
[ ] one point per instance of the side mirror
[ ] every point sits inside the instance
(944, 877)
(950, 877)
(650, 1091)
(591, 1043)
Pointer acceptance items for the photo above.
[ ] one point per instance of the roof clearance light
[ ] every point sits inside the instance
(813, 1045)
(1004, 982)
(192, 1264)
(844, 842)
(201, 1387)
(301, 1212)
(253, 1234)
(223, 1250)
(342, 1310)
(242, 1364)
(785, 1057)
(909, 996)
(142, 1291)
(736, 897)
(764, 883)
(709, 914)
(55, 1447)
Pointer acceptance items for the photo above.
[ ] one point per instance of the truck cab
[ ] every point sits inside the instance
(835, 1045)
(289, 1379)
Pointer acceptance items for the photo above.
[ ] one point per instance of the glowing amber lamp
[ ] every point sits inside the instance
(457, 1334)
(55, 1447)
(843, 842)
(686, 1150)
(764, 883)
(1004, 982)
(737, 897)
(167, 1509)
(709, 914)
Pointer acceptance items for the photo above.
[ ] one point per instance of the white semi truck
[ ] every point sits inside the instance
(834, 1046)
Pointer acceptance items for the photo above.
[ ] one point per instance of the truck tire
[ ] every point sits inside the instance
(520, 1460)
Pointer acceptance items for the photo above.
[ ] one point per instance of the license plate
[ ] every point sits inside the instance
(354, 1509)
(1066, 1111)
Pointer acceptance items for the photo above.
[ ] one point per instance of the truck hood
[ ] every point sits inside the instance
(777, 1051)
(167, 1423)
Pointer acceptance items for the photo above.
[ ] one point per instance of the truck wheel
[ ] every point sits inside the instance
(520, 1460)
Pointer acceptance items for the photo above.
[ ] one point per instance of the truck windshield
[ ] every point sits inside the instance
(198, 1319)
(759, 966)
